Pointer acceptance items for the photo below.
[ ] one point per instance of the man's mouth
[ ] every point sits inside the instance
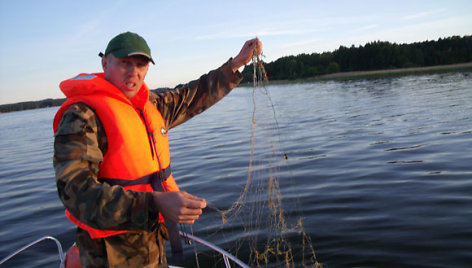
(130, 85)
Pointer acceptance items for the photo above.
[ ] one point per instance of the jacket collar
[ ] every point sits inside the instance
(87, 84)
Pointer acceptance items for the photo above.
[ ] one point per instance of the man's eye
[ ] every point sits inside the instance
(125, 63)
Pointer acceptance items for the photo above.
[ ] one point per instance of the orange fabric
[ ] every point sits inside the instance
(72, 259)
(131, 154)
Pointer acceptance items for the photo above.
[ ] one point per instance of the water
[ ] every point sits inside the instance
(381, 170)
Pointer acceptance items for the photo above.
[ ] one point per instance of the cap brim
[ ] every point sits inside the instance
(141, 54)
(127, 53)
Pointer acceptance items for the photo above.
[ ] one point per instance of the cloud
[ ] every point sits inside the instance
(260, 33)
(303, 43)
(365, 28)
(424, 14)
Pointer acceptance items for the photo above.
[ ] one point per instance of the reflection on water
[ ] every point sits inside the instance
(381, 169)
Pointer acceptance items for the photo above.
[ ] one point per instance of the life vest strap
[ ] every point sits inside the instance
(153, 179)
(156, 179)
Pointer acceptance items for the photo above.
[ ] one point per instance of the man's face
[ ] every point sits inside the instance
(127, 73)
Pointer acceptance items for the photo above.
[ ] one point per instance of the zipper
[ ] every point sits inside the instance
(151, 140)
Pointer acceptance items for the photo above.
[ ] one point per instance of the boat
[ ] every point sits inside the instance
(71, 258)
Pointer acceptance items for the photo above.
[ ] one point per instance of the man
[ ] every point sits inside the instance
(111, 154)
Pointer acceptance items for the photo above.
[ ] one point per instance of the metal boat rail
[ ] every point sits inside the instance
(226, 255)
(58, 244)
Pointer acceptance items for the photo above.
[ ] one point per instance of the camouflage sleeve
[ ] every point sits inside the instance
(79, 145)
(186, 101)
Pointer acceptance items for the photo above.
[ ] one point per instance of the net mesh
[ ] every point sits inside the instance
(272, 227)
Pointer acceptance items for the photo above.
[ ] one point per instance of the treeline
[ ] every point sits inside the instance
(377, 55)
(27, 105)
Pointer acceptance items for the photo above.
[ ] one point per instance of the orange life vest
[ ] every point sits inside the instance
(138, 151)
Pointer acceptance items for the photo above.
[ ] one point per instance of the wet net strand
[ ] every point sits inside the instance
(284, 242)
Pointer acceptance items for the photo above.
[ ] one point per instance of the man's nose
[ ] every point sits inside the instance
(132, 69)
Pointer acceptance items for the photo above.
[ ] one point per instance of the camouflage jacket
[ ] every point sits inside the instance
(80, 143)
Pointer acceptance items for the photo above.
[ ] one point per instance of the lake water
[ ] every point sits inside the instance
(380, 170)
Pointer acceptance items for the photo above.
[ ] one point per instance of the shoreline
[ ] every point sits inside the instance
(436, 68)
(343, 76)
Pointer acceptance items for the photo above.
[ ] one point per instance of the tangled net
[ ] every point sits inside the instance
(284, 242)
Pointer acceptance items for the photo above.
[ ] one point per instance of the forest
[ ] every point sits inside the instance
(28, 105)
(378, 55)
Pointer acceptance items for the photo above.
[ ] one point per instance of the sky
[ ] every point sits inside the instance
(45, 42)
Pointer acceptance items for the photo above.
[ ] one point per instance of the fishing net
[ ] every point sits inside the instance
(264, 229)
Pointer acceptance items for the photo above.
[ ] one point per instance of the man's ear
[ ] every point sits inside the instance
(104, 62)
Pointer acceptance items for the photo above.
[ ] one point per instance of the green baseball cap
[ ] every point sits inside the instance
(128, 44)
